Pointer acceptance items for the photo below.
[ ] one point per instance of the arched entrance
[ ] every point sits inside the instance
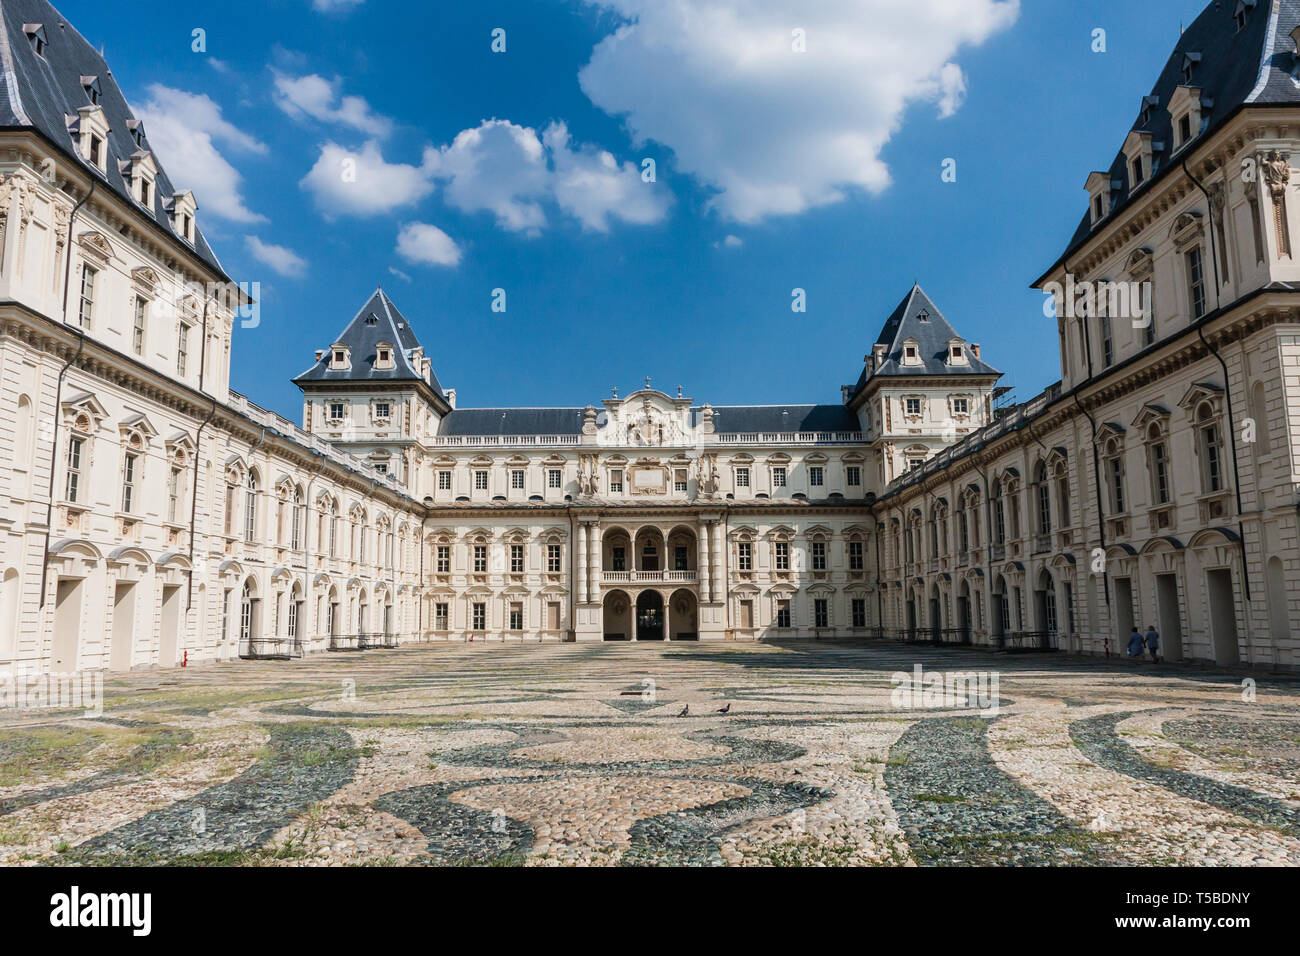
(963, 613)
(683, 617)
(1045, 609)
(649, 616)
(936, 624)
(618, 616)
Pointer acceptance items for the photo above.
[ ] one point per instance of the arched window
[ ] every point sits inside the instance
(250, 507)
(1114, 467)
(999, 529)
(1043, 499)
(295, 520)
(1158, 462)
(246, 602)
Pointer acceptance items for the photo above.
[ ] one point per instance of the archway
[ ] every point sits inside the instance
(618, 616)
(1045, 609)
(649, 616)
(1001, 609)
(649, 551)
(936, 622)
(683, 616)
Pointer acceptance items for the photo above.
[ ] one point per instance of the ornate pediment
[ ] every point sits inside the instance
(95, 245)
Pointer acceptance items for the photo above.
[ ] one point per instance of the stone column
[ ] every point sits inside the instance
(719, 589)
(702, 562)
(580, 572)
(595, 561)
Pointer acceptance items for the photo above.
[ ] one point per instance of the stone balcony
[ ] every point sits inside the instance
(647, 577)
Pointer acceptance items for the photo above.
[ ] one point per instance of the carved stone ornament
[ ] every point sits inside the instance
(1276, 167)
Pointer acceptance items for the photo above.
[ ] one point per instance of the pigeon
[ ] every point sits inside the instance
(723, 710)
(685, 710)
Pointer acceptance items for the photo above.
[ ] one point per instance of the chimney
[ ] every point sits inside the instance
(878, 356)
(320, 353)
(975, 349)
(451, 396)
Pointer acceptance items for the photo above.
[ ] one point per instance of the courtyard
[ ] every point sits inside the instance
(660, 754)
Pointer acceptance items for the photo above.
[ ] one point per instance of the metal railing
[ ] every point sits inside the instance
(270, 649)
(1029, 641)
(361, 642)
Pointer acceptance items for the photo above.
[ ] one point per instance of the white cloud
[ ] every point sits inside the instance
(510, 171)
(279, 259)
(363, 183)
(399, 273)
(334, 6)
(422, 243)
(500, 168)
(590, 185)
(729, 242)
(185, 130)
(776, 131)
(319, 98)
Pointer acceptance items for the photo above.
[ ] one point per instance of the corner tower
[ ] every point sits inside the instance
(373, 392)
(922, 388)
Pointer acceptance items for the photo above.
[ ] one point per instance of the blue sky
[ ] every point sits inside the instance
(822, 165)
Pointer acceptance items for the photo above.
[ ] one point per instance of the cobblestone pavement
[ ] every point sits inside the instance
(619, 754)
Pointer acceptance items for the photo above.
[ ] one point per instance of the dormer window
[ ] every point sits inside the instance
(136, 129)
(1149, 103)
(93, 92)
(384, 355)
(1190, 62)
(89, 131)
(96, 146)
(1139, 150)
(1098, 187)
(923, 316)
(1185, 108)
(957, 353)
(339, 357)
(1244, 7)
(1137, 171)
(36, 34)
(182, 210)
(911, 353)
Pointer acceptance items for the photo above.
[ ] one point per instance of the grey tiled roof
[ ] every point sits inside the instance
(378, 321)
(1236, 70)
(782, 418)
(917, 317)
(41, 92)
(512, 421)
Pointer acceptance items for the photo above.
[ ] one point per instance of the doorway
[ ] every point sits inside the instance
(1170, 621)
(1223, 616)
(171, 625)
(649, 616)
(122, 650)
(67, 625)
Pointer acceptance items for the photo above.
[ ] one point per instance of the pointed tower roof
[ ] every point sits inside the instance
(378, 321)
(919, 320)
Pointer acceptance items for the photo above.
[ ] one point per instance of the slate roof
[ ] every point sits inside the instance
(782, 418)
(512, 421)
(379, 320)
(39, 93)
(1235, 70)
(917, 317)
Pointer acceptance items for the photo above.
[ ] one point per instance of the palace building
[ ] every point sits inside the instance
(150, 516)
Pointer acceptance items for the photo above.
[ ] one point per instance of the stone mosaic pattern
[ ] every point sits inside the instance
(620, 755)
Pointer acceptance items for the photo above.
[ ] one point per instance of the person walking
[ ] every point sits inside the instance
(1135, 645)
(1153, 643)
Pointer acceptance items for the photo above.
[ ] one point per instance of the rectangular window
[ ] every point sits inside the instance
(816, 476)
(855, 555)
(516, 616)
(745, 556)
(182, 348)
(778, 477)
(250, 516)
(619, 558)
(516, 559)
(444, 481)
(679, 479)
(336, 411)
(680, 558)
(383, 410)
(137, 328)
(480, 559)
(75, 448)
(440, 617)
(1107, 342)
(130, 466)
(86, 310)
(821, 613)
(554, 478)
(443, 559)
(782, 556)
(553, 559)
(853, 476)
(742, 477)
(616, 481)
(478, 616)
(961, 406)
(517, 479)
(783, 613)
(911, 406)
(819, 555)
(1196, 282)
(859, 610)
(480, 481)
